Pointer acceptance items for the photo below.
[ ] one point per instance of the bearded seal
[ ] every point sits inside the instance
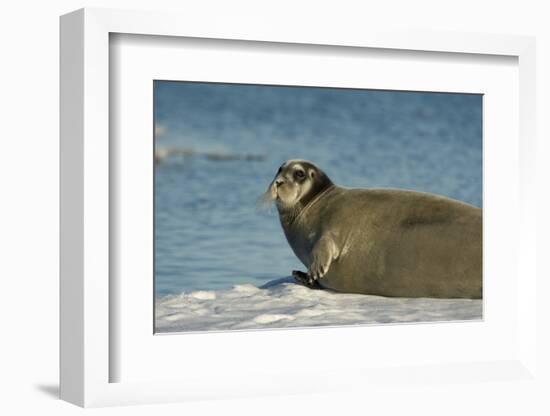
(386, 242)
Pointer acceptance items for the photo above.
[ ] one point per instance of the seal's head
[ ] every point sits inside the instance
(296, 183)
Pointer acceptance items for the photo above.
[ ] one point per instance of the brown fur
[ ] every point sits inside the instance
(387, 242)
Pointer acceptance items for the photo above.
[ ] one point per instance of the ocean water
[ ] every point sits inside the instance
(220, 145)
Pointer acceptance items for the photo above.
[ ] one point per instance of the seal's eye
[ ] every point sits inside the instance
(299, 174)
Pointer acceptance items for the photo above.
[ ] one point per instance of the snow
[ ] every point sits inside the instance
(282, 304)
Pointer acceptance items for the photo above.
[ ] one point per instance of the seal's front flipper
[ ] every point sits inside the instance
(324, 252)
(304, 279)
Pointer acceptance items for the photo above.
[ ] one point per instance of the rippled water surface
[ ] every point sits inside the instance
(219, 146)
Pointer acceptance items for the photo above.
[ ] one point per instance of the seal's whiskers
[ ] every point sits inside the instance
(265, 201)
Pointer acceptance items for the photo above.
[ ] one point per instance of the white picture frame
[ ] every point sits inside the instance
(87, 302)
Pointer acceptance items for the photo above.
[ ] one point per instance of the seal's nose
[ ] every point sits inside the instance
(278, 182)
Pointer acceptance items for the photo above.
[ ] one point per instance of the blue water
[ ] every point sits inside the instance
(208, 232)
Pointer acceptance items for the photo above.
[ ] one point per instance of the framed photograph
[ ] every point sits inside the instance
(261, 212)
(221, 266)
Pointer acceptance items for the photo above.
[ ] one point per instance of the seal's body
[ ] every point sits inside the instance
(379, 241)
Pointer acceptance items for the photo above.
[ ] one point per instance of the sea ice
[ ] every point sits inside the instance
(282, 303)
